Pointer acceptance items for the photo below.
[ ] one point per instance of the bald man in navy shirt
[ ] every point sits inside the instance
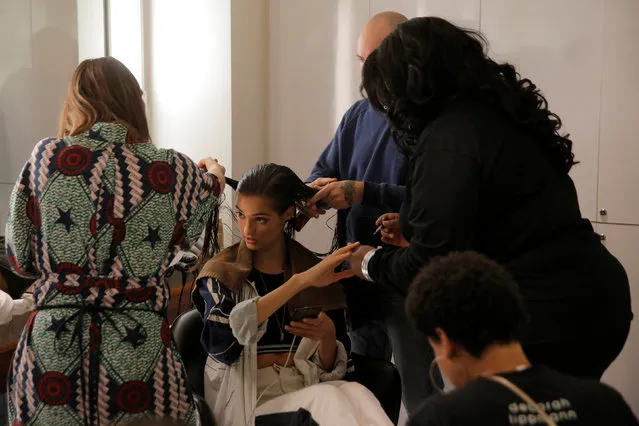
(362, 174)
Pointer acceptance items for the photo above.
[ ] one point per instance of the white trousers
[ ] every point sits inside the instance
(330, 403)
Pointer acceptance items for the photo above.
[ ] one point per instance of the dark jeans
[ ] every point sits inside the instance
(588, 357)
(371, 340)
(366, 322)
(411, 351)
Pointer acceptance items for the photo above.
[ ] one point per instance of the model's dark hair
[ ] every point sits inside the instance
(277, 183)
(470, 297)
(211, 243)
(427, 62)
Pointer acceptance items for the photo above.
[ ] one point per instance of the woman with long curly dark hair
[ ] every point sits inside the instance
(489, 172)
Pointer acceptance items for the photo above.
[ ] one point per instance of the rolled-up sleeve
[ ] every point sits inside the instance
(243, 320)
(339, 368)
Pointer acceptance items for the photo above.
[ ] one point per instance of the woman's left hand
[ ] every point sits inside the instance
(320, 328)
(390, 231)
(355, 260)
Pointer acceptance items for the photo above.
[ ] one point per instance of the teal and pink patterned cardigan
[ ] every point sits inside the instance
(98, 218)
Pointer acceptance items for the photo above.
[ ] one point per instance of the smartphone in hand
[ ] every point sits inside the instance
(306, 312)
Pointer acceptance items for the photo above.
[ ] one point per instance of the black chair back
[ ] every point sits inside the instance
(186, 330)
(15, 285)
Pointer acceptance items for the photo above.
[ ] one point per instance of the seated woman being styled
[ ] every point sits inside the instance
(262, 362)
(471, 311)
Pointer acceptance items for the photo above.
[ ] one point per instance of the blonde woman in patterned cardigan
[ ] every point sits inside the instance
(97, 214)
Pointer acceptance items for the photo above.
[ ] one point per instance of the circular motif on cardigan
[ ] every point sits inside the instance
(54, 388)
(67, 289)
(165, 333)
(95, 337)
(138, 295)
(68, 268)
(17, 423)
(33, 212)
(73, 160)
(179, 234)
(160, 176)
(133, 397)
(104, 283)
(119, 232)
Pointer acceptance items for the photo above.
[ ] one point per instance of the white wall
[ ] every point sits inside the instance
(91, 34)
(125, 34)
(249, 65)
(39, 51)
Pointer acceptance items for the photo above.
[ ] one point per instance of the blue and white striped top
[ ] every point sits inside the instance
(217, 336)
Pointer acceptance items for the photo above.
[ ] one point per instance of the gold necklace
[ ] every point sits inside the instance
(279, 325)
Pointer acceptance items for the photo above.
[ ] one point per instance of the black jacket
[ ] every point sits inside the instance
(479, 182)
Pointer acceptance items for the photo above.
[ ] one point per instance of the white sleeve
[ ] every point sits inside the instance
(6, 308)
(10, 308)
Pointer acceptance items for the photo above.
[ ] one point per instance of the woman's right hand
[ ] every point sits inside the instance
(212, 166)
(390, 230)
(323, 274)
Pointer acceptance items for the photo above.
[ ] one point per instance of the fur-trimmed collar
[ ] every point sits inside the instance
(232, 266)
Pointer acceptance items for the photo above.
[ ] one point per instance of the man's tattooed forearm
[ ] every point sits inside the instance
(349, 191)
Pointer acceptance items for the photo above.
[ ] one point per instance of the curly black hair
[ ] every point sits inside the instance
(425, 63)
(471, 298)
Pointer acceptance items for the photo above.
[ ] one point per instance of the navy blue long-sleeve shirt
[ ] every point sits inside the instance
(364, 150)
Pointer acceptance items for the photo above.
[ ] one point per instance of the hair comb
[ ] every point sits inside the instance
(231, 182)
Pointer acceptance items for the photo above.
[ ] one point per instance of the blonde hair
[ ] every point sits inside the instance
(103, 90)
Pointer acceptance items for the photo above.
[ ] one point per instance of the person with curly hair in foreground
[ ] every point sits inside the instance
(470, 310)
(488, 171)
